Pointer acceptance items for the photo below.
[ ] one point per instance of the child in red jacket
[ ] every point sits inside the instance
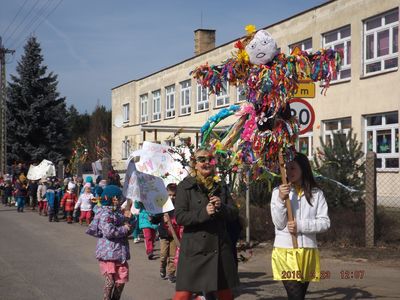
(68, 201)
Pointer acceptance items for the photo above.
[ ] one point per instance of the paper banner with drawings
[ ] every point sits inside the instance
(155, 159)
(148, 189)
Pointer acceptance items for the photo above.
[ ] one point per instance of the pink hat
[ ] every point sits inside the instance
(87, 184)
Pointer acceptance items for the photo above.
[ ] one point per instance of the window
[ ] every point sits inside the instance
(340, 39)
(125, 112)
(382, 137)
(185, 97)
(222, 99)
(157, 105)
(342, 126)
(305, 45)
(170, 143)
(240, 96)
(305, 144)
(126, 148)
(144, 116)
(381, 42)
(170, 101)
(202, 98)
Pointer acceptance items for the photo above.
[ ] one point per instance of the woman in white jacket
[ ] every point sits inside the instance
(297, 267)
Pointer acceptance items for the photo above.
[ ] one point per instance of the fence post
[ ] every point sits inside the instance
(370, 199)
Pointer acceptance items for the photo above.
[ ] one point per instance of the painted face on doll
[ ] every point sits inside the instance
(262, 48)
(294, 172)
(205, 163)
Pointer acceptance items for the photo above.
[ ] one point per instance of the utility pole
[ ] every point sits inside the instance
(3, 107)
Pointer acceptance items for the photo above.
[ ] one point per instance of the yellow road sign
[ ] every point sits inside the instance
(305, 90)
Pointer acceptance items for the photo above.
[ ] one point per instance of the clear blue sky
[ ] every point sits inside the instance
(94, 45)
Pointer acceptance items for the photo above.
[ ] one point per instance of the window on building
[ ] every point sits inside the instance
(381, 42)
(382, 137)
(170, 101)
(157, 105)
(202, 98)
(305, 45)
(340, 39)
(186, 105)
(305, 144)
(342, 126)
(170, 143)
(222, 99)
(126, 148)
(144, 106)
(240, 96)
(125, 112)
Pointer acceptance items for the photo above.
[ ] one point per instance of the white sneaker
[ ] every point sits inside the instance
(137, 240)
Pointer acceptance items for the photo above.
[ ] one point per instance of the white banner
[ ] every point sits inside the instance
(44, 169)
(157, 160)
(148, 189)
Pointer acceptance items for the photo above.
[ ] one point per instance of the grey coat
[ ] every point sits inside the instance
(206, 261)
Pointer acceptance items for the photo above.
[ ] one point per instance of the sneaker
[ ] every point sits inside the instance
(150, 256)
(171, 278)
(162, 273)
(136, 240)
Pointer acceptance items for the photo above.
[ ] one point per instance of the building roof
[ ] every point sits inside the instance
(227, 43)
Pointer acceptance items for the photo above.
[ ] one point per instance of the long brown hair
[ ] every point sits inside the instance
(307, 178)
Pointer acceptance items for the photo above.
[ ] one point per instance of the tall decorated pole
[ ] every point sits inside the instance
(266, 131)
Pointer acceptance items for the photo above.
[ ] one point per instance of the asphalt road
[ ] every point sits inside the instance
(42, 260)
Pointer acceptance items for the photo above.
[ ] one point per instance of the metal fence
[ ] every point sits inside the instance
(382, 205)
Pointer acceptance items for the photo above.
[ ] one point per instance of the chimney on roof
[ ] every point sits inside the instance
(204, 40)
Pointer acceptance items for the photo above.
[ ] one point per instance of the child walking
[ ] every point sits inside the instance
(85, 204)
(112, 249)
(167, 242)
(149, 229)
(52, 201)
(41, 196)
(68, 201)
(310, 213)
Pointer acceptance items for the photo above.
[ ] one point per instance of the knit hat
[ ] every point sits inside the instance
(71, 185)
(110, 191)
(89, 179)
(87, 184)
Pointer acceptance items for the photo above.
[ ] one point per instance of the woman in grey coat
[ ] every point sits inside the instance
(204, 206)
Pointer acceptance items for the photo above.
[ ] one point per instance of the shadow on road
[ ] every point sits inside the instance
(253, 283)
(345, 293)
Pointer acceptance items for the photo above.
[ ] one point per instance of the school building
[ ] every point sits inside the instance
(364, 96)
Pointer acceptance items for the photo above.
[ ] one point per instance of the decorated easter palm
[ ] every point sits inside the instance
(268, 79)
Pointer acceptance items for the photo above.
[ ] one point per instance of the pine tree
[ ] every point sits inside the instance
(341, 164)
(36, 114)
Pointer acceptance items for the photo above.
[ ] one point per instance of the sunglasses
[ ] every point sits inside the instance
(203, 159)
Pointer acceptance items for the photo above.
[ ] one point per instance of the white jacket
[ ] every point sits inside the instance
(84, 202)
(310, 219)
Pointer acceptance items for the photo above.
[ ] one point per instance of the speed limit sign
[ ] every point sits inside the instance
(304, 112)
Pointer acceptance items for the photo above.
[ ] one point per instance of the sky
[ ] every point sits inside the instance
(95, 45)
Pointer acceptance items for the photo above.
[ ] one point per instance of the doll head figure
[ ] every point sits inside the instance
(262, 48)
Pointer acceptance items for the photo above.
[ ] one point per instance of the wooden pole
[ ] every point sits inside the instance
(287, 200)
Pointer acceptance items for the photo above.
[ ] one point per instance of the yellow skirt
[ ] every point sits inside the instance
(300, 264)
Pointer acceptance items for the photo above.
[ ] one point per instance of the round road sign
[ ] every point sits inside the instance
(304, 112)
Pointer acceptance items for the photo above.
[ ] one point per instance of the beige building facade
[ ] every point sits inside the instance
(365, 96)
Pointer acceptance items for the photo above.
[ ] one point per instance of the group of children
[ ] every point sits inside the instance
(71, 199)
